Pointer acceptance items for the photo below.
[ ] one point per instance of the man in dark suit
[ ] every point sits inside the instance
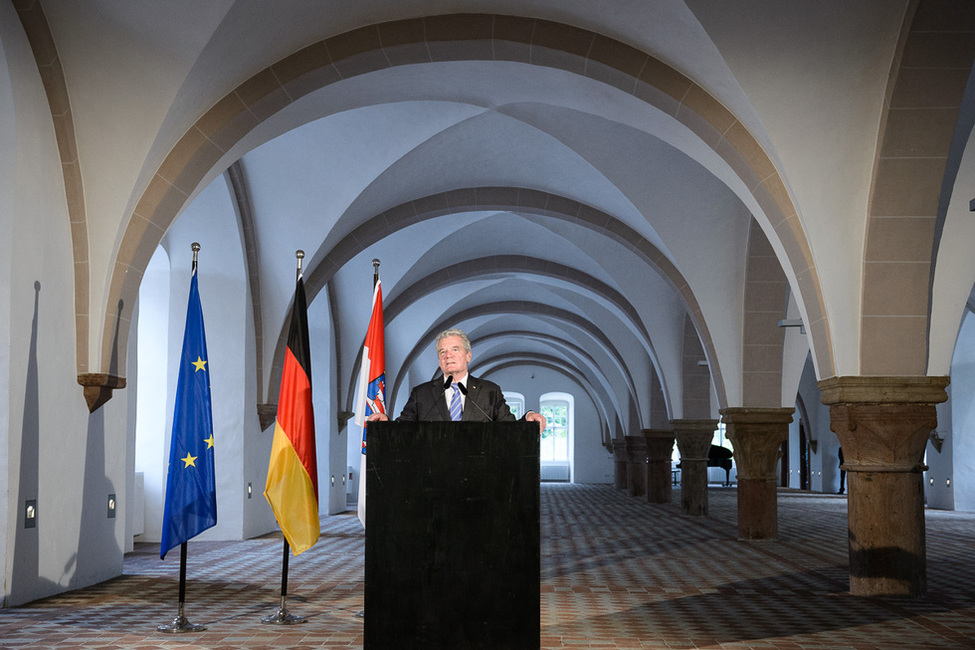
(465, 397)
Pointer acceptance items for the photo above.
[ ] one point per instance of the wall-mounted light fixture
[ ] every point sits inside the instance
(793, 322)
(111, 506)
(30, 514)
(250, 490)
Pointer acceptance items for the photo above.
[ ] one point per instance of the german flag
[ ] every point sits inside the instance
(292, 473)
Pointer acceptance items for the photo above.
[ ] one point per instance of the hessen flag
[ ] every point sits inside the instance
(371, 392)
(292, 473)
(191, 493)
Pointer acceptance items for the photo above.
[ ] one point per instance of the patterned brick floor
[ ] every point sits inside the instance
(616, 573)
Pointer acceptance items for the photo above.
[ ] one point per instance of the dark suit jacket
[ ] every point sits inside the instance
(427, 403)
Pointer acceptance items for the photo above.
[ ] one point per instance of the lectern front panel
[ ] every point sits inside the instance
(452, 536)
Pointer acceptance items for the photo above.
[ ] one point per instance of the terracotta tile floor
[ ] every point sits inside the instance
(616, 573)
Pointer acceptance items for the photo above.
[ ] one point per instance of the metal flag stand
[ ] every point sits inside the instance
(282, 616)
(180, 624)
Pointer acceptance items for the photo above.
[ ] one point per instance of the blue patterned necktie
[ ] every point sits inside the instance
(455, 410)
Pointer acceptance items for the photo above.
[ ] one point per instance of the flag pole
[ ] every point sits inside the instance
(282, 616)
(180, 623)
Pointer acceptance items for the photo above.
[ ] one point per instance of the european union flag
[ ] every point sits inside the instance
(191, 492)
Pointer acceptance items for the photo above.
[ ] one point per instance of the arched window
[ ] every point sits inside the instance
(516, 402)
(556, 442)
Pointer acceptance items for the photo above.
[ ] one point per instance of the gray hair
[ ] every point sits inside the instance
(453, 331)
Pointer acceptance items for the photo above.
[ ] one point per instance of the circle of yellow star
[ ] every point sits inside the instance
(189, 460)
(199, 363)
(209, 441)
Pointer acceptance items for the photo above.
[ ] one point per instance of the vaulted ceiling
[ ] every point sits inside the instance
(573, 183)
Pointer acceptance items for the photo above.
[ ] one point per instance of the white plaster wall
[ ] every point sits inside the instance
(152, 360)
(59, 455)
(331, 441)
(824, 463)
(962, 445)
(939, 480)
(592, 463)
(8, 140)
(211, 221)
(258, 516)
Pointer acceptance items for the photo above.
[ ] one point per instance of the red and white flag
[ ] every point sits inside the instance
(371, 391)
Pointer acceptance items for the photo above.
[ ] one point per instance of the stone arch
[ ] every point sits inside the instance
(912, 179)
(48, 62)
(459, 37)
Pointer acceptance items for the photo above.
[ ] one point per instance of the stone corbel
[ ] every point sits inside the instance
(266, 413)
(98, 387)
(344, 417)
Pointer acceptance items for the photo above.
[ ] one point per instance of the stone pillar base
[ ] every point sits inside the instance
(757, 496)
(897, 565)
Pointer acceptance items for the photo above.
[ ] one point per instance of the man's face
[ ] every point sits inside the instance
(452, 355)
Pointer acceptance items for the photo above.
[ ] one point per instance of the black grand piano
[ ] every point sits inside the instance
(720, 457)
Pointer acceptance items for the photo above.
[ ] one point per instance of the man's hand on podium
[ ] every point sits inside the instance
(532, 416)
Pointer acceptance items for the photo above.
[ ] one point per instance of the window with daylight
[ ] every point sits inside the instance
(516, 402)
(555, 449)
(555, 438)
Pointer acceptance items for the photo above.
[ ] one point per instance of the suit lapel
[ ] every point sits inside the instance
(470, 411)
(436, 387)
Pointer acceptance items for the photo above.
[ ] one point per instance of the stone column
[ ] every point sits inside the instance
(883, 424)
(619, 464)
(694, 442)
(660, 450)
(757, 435)
(636, 466)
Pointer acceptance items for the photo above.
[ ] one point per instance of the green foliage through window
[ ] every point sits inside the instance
(555, 438)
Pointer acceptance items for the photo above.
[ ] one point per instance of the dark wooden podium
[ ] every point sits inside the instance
(452, 536)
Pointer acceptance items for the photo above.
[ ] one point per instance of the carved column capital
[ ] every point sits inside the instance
(883, 423)
(883, 437)
(694, 438)
(619, 450)
(884, 390)
(757, 434)
(660, 444)
(636, 449)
